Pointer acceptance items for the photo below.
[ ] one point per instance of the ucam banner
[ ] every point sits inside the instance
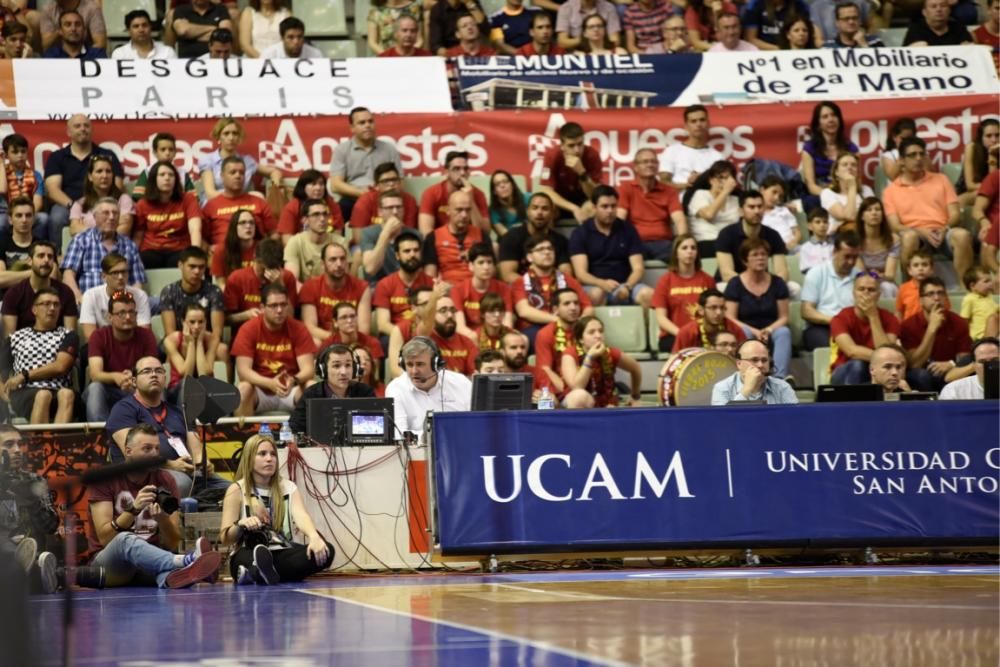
(754, 476)
(196, 88)
(585, 81)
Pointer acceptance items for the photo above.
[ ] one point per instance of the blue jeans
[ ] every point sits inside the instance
(99, 398)
(127, 556)
(781, 350)
(854, 371)
(58, 220)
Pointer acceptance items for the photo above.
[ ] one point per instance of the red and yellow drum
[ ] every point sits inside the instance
(688, 376)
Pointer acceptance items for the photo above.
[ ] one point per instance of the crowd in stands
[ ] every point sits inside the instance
(451, 28)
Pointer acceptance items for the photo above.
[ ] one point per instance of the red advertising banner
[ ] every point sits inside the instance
(516, 140)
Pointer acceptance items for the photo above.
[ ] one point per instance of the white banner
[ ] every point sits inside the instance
(141, 89)
(842, 74)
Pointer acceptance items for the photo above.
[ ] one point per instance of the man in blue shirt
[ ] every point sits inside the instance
(82, 264)
(828, 289)
(606, 254)
(70, 44)
(751, 381)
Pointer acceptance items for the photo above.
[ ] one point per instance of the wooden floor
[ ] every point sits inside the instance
(879, 616)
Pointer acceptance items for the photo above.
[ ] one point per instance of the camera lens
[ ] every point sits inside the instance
(166, 500)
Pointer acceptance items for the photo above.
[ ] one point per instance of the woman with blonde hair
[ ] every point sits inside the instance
(260, 515)
(228, 135)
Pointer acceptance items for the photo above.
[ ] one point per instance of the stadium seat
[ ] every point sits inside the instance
(892, 36)
(157, 279)
(881, 180)
(709, 265)
(821, 366)
(653, 331)
(795, 323)
(220, 371)
(654, 271)
(794, 274)
(952, 170)
(156, 326)
(337, 48)
(416, 185)
(624, 327)
(322, 18)
(482, 181)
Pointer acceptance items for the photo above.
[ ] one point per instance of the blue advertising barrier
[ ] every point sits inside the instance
(864, 474)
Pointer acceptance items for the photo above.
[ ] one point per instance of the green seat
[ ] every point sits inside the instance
(156, 326)
(654, 336)
(952, 170)
(220, 371)
(795, 323)
(322, 17)
(115, 11)
(821, 366)
(157, 279)
(794, 273)
(416, 185)
(709, 265)
(625, 328)
(881, 180)
(337, 48)
(892, 36)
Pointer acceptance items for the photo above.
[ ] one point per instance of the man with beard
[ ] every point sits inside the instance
(392, 293)
(459, 352)
(750, 226)
(713, 320)
(182, 449)
(556, 337)
(514, 347)
(378, 237)
(534, 293)
(321, 294)
(71, 44)
(113, 353)
(18, 300)
(514, 257)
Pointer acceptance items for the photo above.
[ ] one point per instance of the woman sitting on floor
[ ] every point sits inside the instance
(260, 513)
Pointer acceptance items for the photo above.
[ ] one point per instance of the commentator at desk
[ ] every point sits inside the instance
(425, 385)
(337, 369)
(752, 381)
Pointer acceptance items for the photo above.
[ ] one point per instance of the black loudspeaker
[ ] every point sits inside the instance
(206, 399)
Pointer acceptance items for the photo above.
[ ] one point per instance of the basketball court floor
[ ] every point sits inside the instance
(937, 616)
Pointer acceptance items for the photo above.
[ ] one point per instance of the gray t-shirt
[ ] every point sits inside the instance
(357, 165)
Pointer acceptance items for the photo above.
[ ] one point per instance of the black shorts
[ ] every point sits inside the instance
(22, 400)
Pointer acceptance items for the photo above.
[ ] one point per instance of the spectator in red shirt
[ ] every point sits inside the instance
(676, 296)
(392, 293)
(653, 208)
(346, 331)
(405, 36)
(112, 353)
(238, 249)
(366, 208)
(857, 330)
(470, 40)
(446, 249)
(492, 310)
(469, 293)
(514, 347)
(934, 339)
(534, 293)
(556, 337)
(418, 324)
(436, 200)
(242, 296)
(274, 356)
(986, 212)
(219, 209)
(570, 172)
(167, 219)
(458, 351)
(311, 185)
(589, 366)
(711, 321)
(541, 38)
(319, 295)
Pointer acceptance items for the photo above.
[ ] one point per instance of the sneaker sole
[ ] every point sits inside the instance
(47, 566)
(206, 566)
(26, 553)
(264, 562)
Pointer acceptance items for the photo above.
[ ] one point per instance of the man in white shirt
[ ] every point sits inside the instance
(425, 386)
(681, 163)
(94, 306)
(971, 388)
(141, 45)
(728, 30)
(293, 42)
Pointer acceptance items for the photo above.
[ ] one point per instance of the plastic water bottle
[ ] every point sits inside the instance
(546, 401)
(265, 429)
(286, 437)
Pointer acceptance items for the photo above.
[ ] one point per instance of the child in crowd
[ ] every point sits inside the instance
(819, 247)
(920, 266)
(978, 306)
(22, 181)
(779, 217)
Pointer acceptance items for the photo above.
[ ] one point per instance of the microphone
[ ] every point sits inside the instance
(105, 473)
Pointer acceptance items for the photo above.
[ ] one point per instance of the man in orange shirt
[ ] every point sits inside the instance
(923, 208)
(653, 208)
(446, 249)
(274, 356)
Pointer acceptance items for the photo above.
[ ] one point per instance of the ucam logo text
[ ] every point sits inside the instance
(538, 475)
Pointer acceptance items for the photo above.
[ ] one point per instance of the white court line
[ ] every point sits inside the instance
(544, 646)
(793, 603)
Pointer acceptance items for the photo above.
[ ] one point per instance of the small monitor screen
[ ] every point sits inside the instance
(367, 425)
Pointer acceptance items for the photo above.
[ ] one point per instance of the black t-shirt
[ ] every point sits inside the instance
(19, 297)
(919, 31)
(297, 420)
(731, 237)
(14, 257)
(757, 311)
(192, 48)
(512, 247)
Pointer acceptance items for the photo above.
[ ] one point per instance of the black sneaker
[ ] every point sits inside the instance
(87, 576)
(48, 572)
(264, 564)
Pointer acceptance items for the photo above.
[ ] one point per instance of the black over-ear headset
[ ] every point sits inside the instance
(438, 363)
(323, 358)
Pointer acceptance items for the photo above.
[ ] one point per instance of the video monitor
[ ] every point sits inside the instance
(501, 391)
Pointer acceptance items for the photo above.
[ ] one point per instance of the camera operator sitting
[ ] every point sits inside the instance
(337, 370)
(26, 512)
(260, 514)
(136, 526)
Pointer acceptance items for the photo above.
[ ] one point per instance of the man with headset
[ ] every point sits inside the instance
(752, 381)
(337, 369)
(425, 386)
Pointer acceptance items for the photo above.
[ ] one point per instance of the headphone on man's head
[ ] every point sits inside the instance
(438, 363)
(323, 358)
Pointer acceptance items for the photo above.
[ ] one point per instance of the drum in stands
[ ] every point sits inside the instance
(689, 375)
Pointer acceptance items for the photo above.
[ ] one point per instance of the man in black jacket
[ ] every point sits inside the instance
(337, 369)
